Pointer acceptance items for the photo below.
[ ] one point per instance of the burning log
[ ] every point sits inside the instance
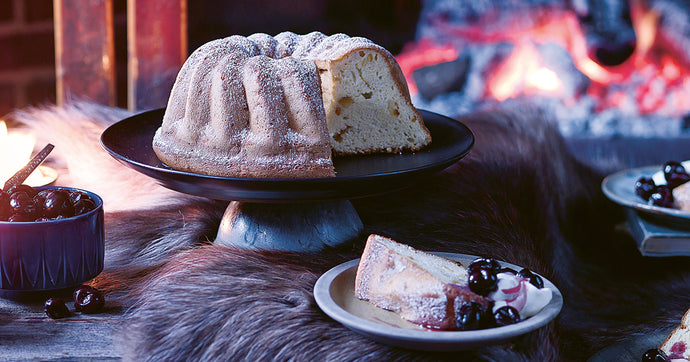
(540, 52)
(608, 29)
(672, 28)
(442, 78)
(557, 59)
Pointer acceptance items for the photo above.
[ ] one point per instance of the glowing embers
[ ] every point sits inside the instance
(524, 73)
(549, 59)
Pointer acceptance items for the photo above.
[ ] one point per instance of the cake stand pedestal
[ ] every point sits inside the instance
(292, 214)
(295, 227)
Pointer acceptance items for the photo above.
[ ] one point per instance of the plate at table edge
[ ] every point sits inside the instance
(334, 294)
(619, 187)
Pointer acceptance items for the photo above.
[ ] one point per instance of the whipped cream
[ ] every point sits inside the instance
(520, 294)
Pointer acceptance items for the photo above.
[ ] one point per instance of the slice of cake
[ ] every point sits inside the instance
(422, 288)
(367, 102)
(681, 196)
(677, 344)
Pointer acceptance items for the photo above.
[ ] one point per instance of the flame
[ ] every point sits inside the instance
(644, 23)
(15, 152)
(654, 80)
(523, 73)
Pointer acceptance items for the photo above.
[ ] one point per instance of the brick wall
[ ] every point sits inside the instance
(27, 45)
(27, 53)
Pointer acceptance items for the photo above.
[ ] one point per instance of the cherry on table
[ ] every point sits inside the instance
(88, 299)
(55, 308)
(654, 355)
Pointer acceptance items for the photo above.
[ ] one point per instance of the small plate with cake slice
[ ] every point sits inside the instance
(620, 187)
(415, 283)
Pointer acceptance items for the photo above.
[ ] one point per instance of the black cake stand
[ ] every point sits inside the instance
(292, 214)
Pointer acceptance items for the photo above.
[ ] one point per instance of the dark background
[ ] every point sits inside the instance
(27, 49)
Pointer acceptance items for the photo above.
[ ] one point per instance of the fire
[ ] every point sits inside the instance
(15, 152)
(652, 80)
(433, 54)
(523, 73)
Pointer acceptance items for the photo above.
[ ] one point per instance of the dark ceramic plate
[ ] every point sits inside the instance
(129, 141)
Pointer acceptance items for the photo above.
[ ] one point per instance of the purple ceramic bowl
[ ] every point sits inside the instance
(54, 254)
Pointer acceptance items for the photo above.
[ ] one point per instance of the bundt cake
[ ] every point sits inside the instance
(263, 106)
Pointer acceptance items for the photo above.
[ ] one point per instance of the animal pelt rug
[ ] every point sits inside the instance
(519, 196)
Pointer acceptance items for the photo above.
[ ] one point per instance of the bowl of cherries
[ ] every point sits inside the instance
(50, 237)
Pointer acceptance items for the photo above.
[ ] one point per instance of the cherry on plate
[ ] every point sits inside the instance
(663, 197)
(506, 315)
(675, 174)
(482, 281)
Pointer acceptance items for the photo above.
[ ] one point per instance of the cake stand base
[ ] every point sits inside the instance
(303, 227)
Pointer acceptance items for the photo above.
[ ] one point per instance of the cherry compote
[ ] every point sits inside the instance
(23, 203)
(5, 209)
(22, 188)
(57, 203)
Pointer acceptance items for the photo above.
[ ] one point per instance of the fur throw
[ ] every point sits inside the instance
(519, 196)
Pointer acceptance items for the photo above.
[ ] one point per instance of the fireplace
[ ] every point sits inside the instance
(614, 74)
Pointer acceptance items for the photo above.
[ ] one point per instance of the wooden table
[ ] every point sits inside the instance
(26, 332)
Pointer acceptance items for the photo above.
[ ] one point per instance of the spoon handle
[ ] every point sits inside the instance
(25, 171)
